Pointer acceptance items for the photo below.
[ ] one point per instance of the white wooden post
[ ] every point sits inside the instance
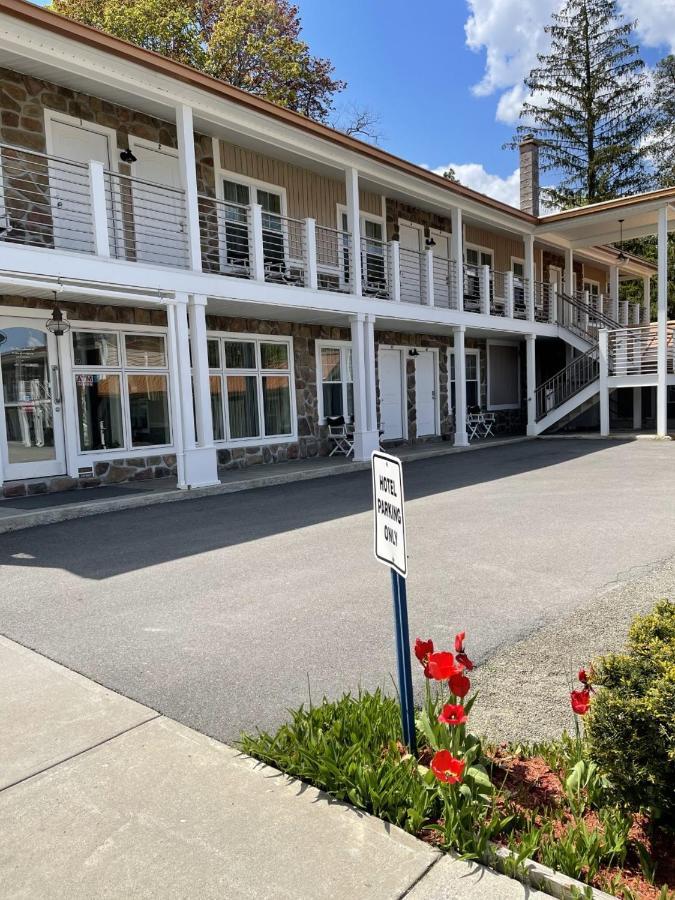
(459, 355)
(587, 303)
(312, 275)
(257, 242)
(484, 288)
(603, 353)
(457, 254)
(531, 377)
(366, 437)
(200, 370)
(510, 299)
(553, 312)
(528, 240)
(429, 274)
(623, 312)
(354, 227)
(188, 174)
(99, 211)
(646, 299)
(662, 326)
(614, 292)
(395, 263)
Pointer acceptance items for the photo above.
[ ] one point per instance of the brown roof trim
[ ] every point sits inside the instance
(619, 203)
(99, 40)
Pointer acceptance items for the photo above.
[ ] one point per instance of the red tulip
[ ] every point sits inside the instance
(464, 660)
(422, 651)
(442, 666)
(446, 768)
(583, 677)
(459, 642)
(580, 700)
(453, 715)
(460, 685)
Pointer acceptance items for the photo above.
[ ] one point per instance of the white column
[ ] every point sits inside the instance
(614, 292)
(484, 287)
(197, 465)
(637, 408)
(508, 282)
(457, 253)
(459, 354)
(354, 226)
(429, 273)
(553, 312)
(395, 262)
(188, 174)
(646, 299)
(99, 211)
(200, 371)
(528, 240)
(366, 437)
(662, 327)
(569, 271)
(603, 353)
(257, 242)
(312, 275)
(531, 374)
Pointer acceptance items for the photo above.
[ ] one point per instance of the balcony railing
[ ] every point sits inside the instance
(581, 372)
(333, 259)
(413, 275)
(147, 222)
(634, 351)
(44, 201)
(226, 239)
(284, 249)
(375, 268)
(445, 282)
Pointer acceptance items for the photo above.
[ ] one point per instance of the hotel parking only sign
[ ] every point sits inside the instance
(389, 512)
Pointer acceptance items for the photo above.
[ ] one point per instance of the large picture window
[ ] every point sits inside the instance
(472, 378)
(121, 390)
(335, 380)
(251, 388)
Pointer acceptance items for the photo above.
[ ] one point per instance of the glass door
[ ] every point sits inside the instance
(31, 426)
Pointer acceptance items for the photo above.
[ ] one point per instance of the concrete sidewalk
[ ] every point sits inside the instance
(103, 797)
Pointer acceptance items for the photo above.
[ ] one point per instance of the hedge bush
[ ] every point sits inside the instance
(631, 723)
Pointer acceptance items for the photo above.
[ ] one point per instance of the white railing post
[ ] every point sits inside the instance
(623, 312)
(553, 309)
(354, 227)
(587, 301)
(99, 211)
(510, 294)
(457, 254)
(484, 288)
(258, 270)
(188, 173)
(603, 355)
(312, 276)
(395, 264)
(429, 271)
(528, 241)
(646, 299)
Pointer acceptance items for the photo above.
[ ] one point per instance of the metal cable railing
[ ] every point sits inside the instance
(634, 351)
(147, 222)
(543, 301)
(520, 294)
(375, 268)
(471, 288)
(498, 293)
(284, 243)
(413, 276)
(569, 381)
(44, 201)
(225, 236)
(445, 283)
(333, 259)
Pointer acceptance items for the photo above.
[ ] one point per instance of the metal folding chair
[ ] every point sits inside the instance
(341, 434)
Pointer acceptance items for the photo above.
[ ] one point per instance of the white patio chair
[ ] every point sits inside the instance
(341, 434)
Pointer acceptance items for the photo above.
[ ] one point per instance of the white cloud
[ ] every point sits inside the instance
(473, 175)
(511, 33)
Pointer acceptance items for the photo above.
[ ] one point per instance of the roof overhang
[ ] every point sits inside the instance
(599, 223)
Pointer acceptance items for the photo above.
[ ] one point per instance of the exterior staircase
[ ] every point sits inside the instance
(578, 383)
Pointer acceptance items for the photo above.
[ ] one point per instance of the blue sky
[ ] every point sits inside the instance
(445, 76)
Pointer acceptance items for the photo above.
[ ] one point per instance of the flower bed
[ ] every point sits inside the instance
(548, 802)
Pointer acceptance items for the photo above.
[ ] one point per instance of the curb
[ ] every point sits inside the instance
(541, 877)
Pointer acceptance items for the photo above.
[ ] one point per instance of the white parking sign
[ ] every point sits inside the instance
(389, 512)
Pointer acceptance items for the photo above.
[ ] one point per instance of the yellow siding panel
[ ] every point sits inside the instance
(503, 247)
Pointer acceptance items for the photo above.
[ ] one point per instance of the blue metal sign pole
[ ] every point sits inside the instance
(400, 597)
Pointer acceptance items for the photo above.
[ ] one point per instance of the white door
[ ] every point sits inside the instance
(159, 206)
(31, 423)
(411, 242)
(425, 393)
(442, 286)
(69, 189)
(391, 394)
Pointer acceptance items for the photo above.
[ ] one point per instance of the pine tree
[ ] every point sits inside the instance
(664, 131)
(589, 107)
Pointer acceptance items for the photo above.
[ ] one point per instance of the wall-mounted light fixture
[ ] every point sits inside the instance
(430, 242)
(414, 352)
(127, 156)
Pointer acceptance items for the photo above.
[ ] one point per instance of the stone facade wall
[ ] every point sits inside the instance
(397, 209)
(92, 312)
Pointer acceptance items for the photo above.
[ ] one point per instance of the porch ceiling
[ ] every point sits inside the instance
(599, 224)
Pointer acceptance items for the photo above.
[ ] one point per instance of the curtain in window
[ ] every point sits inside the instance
(242, 406)
(276, 404)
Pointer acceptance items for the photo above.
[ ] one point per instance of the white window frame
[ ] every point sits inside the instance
(122, 370)
(53, 115)
(342, 346)
(226, 175)
(592, 281)
(262, 439)
(480, 249)
(493, 407)
(472, 351)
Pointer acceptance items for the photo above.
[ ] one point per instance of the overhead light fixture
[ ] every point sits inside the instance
(621, 256)
(414, 352)
(57, 325)
(127, 156)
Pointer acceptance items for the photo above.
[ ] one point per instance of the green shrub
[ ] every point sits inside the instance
(631, 724)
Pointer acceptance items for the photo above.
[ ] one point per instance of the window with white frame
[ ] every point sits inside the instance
(121, 384)
(251, 387)
(335, 380)
(593, 287)
(503, 375)
(472, 378)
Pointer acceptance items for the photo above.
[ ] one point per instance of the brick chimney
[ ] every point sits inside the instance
(529, 175)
